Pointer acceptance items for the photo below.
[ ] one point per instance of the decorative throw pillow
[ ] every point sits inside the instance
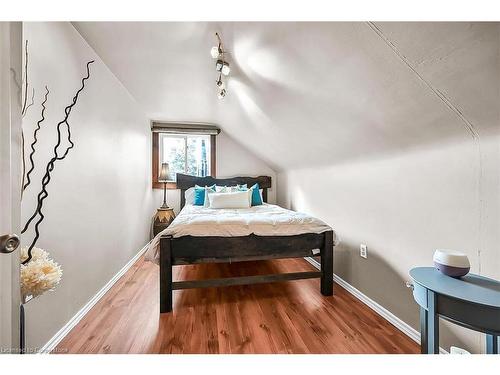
(222, 189)
(189, 195)
(256, 198)
(200, 195)
(208, 189)
(234, 188)
(237, 199)
(229, 189)
(243, 188)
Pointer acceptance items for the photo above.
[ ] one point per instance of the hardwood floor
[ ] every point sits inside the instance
(287, 317)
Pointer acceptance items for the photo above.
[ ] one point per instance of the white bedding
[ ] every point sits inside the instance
(263, 220)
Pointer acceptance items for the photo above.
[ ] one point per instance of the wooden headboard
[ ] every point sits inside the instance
(185, 182)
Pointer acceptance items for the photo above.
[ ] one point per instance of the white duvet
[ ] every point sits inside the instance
(263, 220)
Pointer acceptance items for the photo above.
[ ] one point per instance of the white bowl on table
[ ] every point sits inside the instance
(451, 263)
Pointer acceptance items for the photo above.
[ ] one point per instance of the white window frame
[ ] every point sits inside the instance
(161, 135)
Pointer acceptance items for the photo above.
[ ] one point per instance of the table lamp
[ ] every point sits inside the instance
(163, 177)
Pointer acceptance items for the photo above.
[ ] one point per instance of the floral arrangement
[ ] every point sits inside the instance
(40, 274)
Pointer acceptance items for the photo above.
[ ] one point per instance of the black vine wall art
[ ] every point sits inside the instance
(35, 140)
(57, 156)
(39, 273)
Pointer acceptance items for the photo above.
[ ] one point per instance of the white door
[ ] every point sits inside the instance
(10, 182)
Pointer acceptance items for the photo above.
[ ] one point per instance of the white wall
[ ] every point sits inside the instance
(100, 201)
(404, 207)
(434, 184)
(232, 160)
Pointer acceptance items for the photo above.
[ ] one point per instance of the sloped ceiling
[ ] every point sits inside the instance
(304, 94)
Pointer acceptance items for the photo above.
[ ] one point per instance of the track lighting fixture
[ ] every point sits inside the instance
(221, 65)
(222, 94)
(219, 83)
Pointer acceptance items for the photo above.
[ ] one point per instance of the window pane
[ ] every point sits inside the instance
(198, 155)
(173, 152)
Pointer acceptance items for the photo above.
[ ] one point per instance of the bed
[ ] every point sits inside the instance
(205, 235)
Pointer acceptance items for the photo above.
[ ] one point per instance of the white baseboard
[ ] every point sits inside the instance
(56, 339)
(379, 309)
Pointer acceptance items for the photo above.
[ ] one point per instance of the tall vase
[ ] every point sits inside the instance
(22, 332)
(22, 324)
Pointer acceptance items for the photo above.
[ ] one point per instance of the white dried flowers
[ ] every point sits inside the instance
(40, 274)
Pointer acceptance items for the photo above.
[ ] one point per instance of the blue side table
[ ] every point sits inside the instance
(472, 301)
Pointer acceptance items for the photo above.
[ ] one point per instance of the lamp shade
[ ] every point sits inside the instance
(164, 172)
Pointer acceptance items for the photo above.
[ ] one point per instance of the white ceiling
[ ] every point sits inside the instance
(314, 93)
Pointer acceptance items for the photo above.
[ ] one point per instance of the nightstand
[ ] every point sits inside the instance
(162, 219)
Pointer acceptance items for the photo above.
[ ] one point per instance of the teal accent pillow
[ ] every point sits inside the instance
(199, 196)
(256, 199)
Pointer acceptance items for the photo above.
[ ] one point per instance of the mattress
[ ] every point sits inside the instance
(263, 220)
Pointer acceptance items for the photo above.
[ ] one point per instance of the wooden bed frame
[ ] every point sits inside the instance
(193, 250)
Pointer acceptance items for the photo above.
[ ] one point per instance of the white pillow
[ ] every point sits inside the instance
(229, 189)
(208, 190)
(239, 199)
(221, 189)
(189, 195)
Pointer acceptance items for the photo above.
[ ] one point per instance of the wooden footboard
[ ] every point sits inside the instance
(193, 250)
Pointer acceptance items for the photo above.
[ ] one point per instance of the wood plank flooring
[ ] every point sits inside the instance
(286, 317)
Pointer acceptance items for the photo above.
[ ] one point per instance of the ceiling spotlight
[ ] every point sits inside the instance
(218, 65)
(221, 66)
(215, 52)
(225, 69)
(222, 94)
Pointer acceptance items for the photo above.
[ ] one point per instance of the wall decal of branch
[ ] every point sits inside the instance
(25, 107)
(31, 102)
(35, 140)
(23, 111)
(43, 194)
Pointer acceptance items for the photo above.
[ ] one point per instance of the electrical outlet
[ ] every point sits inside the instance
(363, 251)
(457, 350)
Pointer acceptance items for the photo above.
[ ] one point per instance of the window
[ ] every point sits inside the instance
(188, 153)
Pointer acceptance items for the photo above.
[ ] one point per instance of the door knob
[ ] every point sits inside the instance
(8, 243)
